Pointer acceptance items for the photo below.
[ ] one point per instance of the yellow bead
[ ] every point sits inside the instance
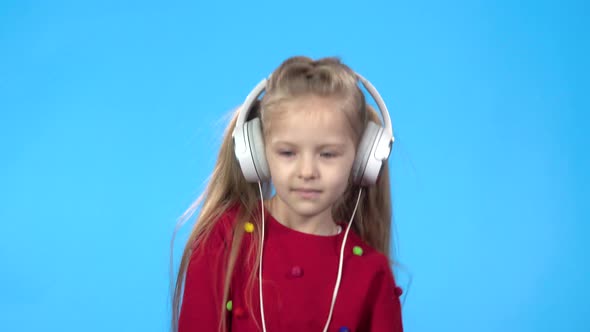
(249, 227)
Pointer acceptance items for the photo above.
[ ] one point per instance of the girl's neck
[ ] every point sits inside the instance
(320, 224)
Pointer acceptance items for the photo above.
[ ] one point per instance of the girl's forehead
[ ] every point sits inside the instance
(311, 105)
(312, 120)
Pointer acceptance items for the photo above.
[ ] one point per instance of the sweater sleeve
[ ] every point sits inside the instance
(202, 306)
(385, 310)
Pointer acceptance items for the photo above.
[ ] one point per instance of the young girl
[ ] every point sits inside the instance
(286, 259)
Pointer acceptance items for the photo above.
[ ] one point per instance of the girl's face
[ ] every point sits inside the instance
(310, 151)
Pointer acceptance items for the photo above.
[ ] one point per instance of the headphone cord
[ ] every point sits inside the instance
(260, 263)
(338, 279)
(337, 286)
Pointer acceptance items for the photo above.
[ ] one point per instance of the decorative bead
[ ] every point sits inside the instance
(229, 305)
(344, 329)
(239, 312)
(398, 291)
(249, 227)
(296, 272)
(357, 251)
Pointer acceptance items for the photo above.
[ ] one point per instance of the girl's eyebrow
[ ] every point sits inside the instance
(321, 146)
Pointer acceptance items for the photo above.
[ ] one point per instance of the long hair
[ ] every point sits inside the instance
(296, 77)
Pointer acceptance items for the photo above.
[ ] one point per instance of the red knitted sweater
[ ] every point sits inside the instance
(299, 274)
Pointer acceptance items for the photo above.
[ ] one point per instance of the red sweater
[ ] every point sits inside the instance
(299, 274)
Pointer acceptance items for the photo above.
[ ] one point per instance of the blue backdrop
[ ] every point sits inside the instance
(111, 114)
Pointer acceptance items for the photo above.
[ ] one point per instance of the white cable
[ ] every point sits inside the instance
(340, 263)
(260, 263)
(338, 278)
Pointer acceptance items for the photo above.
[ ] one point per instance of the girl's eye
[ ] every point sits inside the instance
(289, 153)
(286, 153)
(328, 154)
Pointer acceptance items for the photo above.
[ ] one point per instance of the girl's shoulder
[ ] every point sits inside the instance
(220, 231)
(364, 255)
(225, 223)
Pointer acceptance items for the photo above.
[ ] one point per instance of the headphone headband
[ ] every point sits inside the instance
(261, 87)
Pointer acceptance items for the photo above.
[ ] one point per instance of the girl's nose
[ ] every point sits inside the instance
(307, 168)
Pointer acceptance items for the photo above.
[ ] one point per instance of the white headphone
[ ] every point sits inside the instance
(374, 147)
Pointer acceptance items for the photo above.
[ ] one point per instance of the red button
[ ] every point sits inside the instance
(239, 312)
(398, 291)
(296, 272)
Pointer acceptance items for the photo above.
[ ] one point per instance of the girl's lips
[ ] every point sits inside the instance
(307, 193)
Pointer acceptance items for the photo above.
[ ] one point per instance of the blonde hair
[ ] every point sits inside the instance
(294, 78)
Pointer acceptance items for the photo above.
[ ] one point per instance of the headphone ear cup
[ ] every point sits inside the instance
(255, 135)
(363, 154)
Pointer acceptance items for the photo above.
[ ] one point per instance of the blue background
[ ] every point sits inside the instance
(111, 115)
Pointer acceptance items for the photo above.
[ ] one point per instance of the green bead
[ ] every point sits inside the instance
(229, 305)
(357, 251)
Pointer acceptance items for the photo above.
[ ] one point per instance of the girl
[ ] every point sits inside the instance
(282, 260)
